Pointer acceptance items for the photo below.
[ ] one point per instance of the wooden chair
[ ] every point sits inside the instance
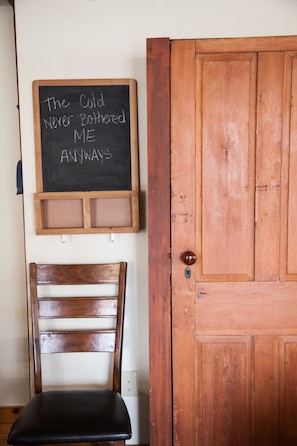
(81, 415)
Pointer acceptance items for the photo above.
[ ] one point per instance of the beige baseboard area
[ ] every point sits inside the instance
(7, 417)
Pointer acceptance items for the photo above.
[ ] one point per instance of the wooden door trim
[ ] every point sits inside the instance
(158, 108)
(246, 44)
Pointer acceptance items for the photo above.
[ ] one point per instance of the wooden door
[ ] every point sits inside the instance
(234, 205)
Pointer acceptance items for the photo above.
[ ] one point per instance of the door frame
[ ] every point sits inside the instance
(158, 110)
(159, 215)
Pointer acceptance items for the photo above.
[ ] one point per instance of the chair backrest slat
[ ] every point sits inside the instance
(83, 274)
(89, 305)
(77, 307)
(78, 341)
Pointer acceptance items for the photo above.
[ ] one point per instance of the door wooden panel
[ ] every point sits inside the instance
(265, 426)
(225, 402)
(225, 126)
(246, 308)
(288, 386)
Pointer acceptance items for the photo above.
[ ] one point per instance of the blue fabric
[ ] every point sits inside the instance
(19, 178)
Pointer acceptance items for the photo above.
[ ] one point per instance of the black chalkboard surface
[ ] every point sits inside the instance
(83, 134)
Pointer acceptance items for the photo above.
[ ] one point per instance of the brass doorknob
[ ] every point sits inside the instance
(189, 257)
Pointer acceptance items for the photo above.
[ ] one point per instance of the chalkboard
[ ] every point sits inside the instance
(84, 134)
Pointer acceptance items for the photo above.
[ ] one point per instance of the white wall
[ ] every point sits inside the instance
(96, 39)
(13, 307)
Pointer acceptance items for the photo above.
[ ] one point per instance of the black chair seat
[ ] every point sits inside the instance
(50, 417)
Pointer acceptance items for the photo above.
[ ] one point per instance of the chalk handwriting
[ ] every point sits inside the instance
(91, 101)
(98, 118)
(54, 122)
(54, 104)
(79, 156)
(86, 135)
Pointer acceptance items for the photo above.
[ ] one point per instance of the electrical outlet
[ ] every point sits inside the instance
(129, 383)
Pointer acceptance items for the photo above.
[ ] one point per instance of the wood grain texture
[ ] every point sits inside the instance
(266, 391)
(268, 175)
(246, 44)
(288, 396)
(246, 308)
(226, 379)
(158, 109)
(225, 162)
(8, 415)
(183, 238)
(289, 166)
(226, 200)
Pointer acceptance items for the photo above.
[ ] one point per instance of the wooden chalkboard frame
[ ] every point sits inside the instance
(86, 211)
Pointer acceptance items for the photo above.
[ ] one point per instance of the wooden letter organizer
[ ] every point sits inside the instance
(86, 151)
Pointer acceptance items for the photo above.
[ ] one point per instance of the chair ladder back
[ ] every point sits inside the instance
(93, 340)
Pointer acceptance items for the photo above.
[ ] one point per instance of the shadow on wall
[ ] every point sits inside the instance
(143, 404)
